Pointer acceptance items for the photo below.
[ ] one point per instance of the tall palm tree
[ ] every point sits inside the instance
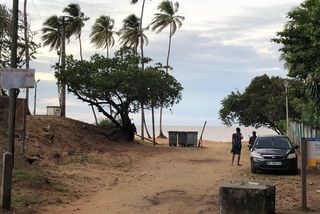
(130, 35)
(102, 33)
(76, 19)
(51, 35)
(167, 18)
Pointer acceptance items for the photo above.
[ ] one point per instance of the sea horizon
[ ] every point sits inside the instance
(214, 133)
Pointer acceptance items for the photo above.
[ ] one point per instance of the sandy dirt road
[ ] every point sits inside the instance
(179, 180)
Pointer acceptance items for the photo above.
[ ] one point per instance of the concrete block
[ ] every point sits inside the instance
(247, 197)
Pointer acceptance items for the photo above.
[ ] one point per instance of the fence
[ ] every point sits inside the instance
(298, 130)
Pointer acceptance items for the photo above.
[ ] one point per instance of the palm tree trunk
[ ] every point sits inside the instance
(169, 49)
(110, 106)
(161, 135)
(62, 87)
(153, 130)
(145, 125)
(80, 46)
(81, 57)
(143, 122)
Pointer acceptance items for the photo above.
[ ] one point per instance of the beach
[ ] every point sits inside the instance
(77, 169)
(177, 180)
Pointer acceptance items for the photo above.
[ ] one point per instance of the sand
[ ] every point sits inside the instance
(83, 172)
(180, 180)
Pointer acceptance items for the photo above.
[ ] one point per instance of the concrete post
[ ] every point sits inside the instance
(247, 197)
(6, 180)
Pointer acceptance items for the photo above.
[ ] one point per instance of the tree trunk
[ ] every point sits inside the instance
(161, 135)
(145, 125)
(80, 46)
(142, 124)
(62, 87)
(143, 119)
(153, 129)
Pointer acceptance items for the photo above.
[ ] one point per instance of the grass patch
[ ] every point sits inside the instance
(26, 200)
(22, 175)
(83, 159)
(119, 165)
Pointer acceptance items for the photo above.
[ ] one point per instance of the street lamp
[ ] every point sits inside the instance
(35, 96)
(286, 85)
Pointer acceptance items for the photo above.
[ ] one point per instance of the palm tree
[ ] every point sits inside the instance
(130, 33)
(167, 18)
(51, 35)
(102, 34)
(132, 36)
(75, 22)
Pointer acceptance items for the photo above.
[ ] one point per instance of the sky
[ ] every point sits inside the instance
(221, 47)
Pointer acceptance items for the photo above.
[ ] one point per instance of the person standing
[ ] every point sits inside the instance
(236, 145)
(252, 138)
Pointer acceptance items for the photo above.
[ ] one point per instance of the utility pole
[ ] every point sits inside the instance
(286, 84)
(63, 62)
(35, 96)
(8, 157)
(26, 105)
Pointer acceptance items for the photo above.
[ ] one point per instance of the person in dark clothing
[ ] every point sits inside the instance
(252, 138)
(236, 145)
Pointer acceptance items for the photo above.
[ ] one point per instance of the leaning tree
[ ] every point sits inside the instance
(119, 82)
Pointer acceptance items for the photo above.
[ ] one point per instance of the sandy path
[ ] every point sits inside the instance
(174, 180)
(180, 180)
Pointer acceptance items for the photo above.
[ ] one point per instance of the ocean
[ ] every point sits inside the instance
(215, 133)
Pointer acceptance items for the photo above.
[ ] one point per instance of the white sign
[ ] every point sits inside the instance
(16, 78)
(313, 151)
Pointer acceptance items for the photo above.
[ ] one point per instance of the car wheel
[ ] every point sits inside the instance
(253, 170)
(294, 171)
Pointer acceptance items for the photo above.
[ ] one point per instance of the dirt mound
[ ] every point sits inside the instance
(63, 160)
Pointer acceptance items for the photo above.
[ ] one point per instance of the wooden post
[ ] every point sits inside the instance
(200, 139)
(304, 173)
(6, 180)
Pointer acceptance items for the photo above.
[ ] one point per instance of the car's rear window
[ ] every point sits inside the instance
(273, 142)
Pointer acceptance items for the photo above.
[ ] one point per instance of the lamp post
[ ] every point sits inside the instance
(286, 85)
(35, 96)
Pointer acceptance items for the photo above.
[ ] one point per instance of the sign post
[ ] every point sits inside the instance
(304, 173)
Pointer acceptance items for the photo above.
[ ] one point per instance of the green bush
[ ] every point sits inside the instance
(106, 123)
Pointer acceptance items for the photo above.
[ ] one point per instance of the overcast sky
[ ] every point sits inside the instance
(221, 46)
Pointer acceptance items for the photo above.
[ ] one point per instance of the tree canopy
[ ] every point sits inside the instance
(300, 40)
(261, 104)
(121, 83)
(5, 39)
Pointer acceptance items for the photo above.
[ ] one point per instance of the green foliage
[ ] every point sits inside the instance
(105, 123)
(261, 104)
(121, 83)
(5, 39)
(300, 40)
(22, 175)
(130, 33)
(167, 17)
(102, 33)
